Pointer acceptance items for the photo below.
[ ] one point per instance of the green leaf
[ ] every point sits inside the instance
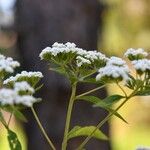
(18, 114)
(144, 92)
(91, 99)
(91, 80)
(117, 115)
(60, 70)
(16, 111)
(14, 143)
(109, 101)
(86, 131)
(104, 104)
(39, 87)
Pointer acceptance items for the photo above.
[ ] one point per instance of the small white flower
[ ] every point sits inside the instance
(141, 64)
(114, 72)
(45, 51)
(11, 97)
(7, 96)
(81, 61)
(94, 55)
(23, 74)
(135, 52)
(26, 100)
(58, 48)
(23, 86)
(8, 64)
(116, 61)
(58, 45)
(70, 45)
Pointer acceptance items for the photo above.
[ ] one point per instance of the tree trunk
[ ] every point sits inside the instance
(39, 23)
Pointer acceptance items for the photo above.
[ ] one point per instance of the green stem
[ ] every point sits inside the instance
(122, 89)
(68, 118)
(102, 122)
(91, 91)
(42, 129)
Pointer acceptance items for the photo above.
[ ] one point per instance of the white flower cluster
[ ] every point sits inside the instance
(141, 65)
(8, 64)
(90, 56)
(81, 61)
(23, 74)
(23, 86)
(58, 48)
(116, 61)
(12, 97)
(115, 68)
(136, 52)
(82, 56)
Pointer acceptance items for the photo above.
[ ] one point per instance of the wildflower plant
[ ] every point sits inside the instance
(77, 65)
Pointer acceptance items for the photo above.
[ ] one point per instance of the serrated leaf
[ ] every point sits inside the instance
(14, 143)
(78, 131)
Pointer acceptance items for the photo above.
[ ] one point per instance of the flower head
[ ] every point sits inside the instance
(141, 65)
(116, 61)
(109, 73)
(58, 48)
(115, 69)
(14, 96)
(23, 86)
(7, 65)
(31, 77)
(7, 96)
(82, 61)
(135, 54)
(68, 53)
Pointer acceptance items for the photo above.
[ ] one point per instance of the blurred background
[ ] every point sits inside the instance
(124, 24)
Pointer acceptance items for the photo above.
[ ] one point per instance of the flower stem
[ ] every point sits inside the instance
(101, 123)
(91, 91)
(42, 129)
(71, 102)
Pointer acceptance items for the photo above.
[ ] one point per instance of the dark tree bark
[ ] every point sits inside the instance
(39, 23)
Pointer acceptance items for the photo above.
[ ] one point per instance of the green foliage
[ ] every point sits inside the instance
(105, 103)
(14, 143)
(18, 114)
(86, 131)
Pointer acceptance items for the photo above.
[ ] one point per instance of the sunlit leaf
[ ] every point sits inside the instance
(109, 101)
(14, 143)
(78, 131)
